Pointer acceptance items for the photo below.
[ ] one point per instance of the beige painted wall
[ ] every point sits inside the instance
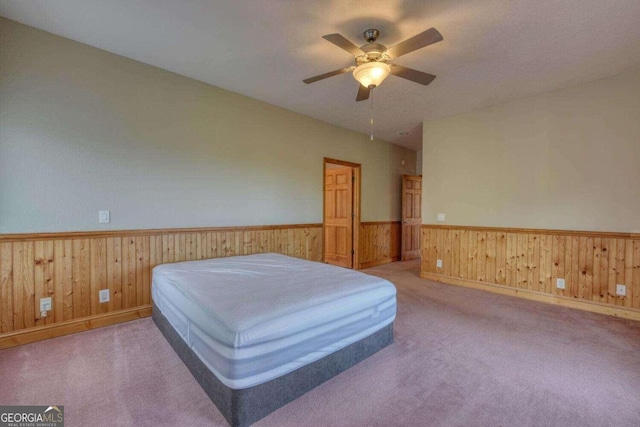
(568, 159)
(82, 130)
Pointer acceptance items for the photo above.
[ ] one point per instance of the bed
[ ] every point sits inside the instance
(258, 331)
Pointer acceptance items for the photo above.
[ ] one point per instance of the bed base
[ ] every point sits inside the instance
(244, 407)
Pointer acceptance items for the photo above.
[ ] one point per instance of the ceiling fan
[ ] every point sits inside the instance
(372, 60)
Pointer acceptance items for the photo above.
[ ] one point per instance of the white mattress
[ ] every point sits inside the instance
(253, 318)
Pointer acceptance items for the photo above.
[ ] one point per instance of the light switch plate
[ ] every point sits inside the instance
(104, 217)
(442, 217)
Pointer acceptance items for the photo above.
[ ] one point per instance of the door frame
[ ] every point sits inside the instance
(357, 168)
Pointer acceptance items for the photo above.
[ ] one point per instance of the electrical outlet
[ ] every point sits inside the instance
(560, 283)
(104, 295)
(621, 290)
(439, 263)
(103, 217)
(45, 304)
(441, 217)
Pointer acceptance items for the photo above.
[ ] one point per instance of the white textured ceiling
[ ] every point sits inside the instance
(493, 50)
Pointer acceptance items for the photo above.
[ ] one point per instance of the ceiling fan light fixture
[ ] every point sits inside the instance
(371, 74)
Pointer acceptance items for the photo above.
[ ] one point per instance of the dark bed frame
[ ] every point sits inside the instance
(246, 406)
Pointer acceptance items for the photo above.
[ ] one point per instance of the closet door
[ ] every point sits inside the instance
(338, 217)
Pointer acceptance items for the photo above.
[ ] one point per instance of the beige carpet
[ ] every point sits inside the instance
(461, 358)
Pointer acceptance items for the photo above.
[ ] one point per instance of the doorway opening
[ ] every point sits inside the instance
(341, 212)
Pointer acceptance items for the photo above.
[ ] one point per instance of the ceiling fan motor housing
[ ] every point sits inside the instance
(372, 52)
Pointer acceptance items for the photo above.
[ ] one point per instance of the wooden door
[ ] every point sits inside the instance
(411, 216)
(338, 217)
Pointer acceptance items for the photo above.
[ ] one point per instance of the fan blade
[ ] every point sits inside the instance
(411, 74)
(343, 43)
(363, 93)
(327, 75)
(421, 40)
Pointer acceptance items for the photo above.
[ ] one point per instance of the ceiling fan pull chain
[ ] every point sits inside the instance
(371, 113)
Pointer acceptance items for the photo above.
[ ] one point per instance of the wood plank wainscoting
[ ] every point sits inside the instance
(527, 262)
(71, 268)
(379, 243)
